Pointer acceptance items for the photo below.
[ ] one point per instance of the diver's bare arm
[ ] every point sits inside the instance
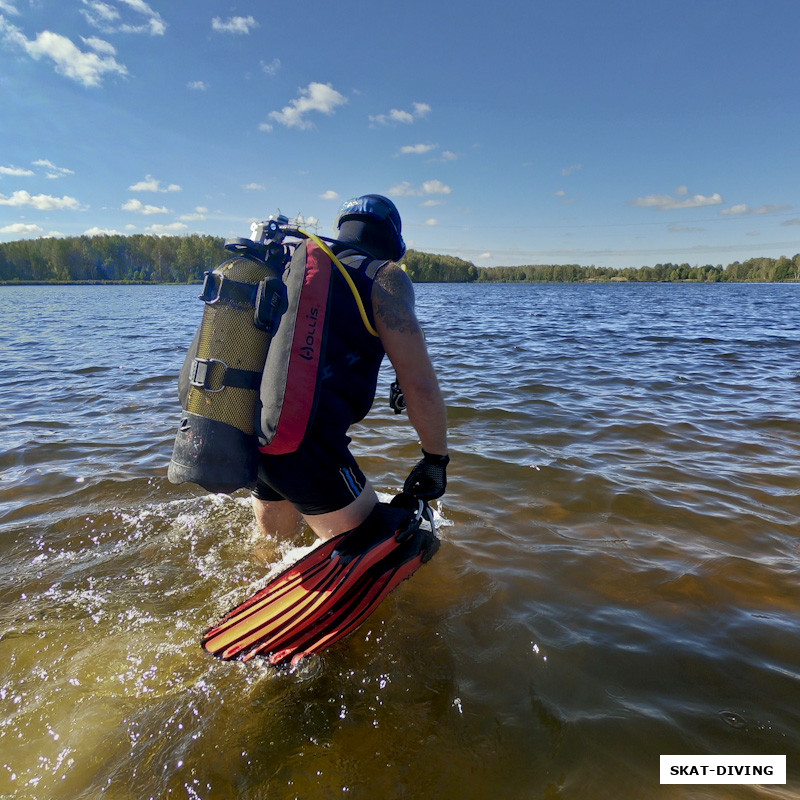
(402, 338)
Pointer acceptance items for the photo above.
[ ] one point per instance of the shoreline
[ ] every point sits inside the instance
(480, 282)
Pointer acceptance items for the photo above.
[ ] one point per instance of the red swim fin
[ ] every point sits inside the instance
(327, 593)
(349, 610)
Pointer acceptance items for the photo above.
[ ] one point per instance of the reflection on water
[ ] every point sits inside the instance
(617, 580)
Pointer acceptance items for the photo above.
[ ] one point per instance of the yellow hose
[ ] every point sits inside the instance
(343, 270)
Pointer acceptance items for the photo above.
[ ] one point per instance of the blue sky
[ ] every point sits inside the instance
(606, 132)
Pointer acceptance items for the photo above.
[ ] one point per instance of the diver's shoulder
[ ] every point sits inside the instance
(393, 278)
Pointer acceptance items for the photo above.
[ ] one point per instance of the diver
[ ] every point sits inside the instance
(320, 482)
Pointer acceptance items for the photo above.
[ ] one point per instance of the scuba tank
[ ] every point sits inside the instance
(216, 445)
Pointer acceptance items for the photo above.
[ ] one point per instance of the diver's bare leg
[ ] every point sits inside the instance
(345, 519)
(276, 518)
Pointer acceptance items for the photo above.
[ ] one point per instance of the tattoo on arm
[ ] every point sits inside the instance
(396, 315)
(395, 301)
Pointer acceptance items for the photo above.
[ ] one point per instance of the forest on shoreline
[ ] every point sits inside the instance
(183, 259)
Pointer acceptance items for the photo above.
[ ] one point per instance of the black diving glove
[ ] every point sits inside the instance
(428, 479)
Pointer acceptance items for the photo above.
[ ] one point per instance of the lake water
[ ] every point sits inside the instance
(618, 577)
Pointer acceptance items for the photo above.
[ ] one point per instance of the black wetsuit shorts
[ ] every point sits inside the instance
(319, 477)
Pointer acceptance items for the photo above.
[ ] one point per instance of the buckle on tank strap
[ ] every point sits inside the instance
(199, 373)
(217, 287)
(212, 284)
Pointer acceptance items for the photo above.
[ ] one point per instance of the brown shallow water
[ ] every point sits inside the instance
(618, 576)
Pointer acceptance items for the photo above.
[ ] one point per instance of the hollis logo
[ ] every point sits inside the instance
(308, 347)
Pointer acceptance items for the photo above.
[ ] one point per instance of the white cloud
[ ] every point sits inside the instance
(167, 230)
(101, 15)
(791, 222)
(8, 7)
(743, 208)
(239, 25)
(113, 17)
(739, 209)
(16, 172)
(560, 193)
(407, 189)
(272, 68)
(666, 202)
(398, 116)
(404, 189)
(330, 195)
(22, 229)
(198, 86)
(436, 187)
(571, 169)
(321, 97)
(95, 231)
(139, 5)
(417, 149)
(255, 187)
(86, 68)
(41, 202)
(99, 45)
(448, 155)
(53, 172)
(200, 213)
(430, 203)
(431, 223)
(150, 184)
(138, 207)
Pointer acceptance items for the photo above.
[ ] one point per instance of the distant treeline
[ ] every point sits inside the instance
(756, 270)
(139, 258)
(184, 259)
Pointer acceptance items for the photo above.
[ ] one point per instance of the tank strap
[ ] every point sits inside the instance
(267, 297)
(217, 287)
(214, 375)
